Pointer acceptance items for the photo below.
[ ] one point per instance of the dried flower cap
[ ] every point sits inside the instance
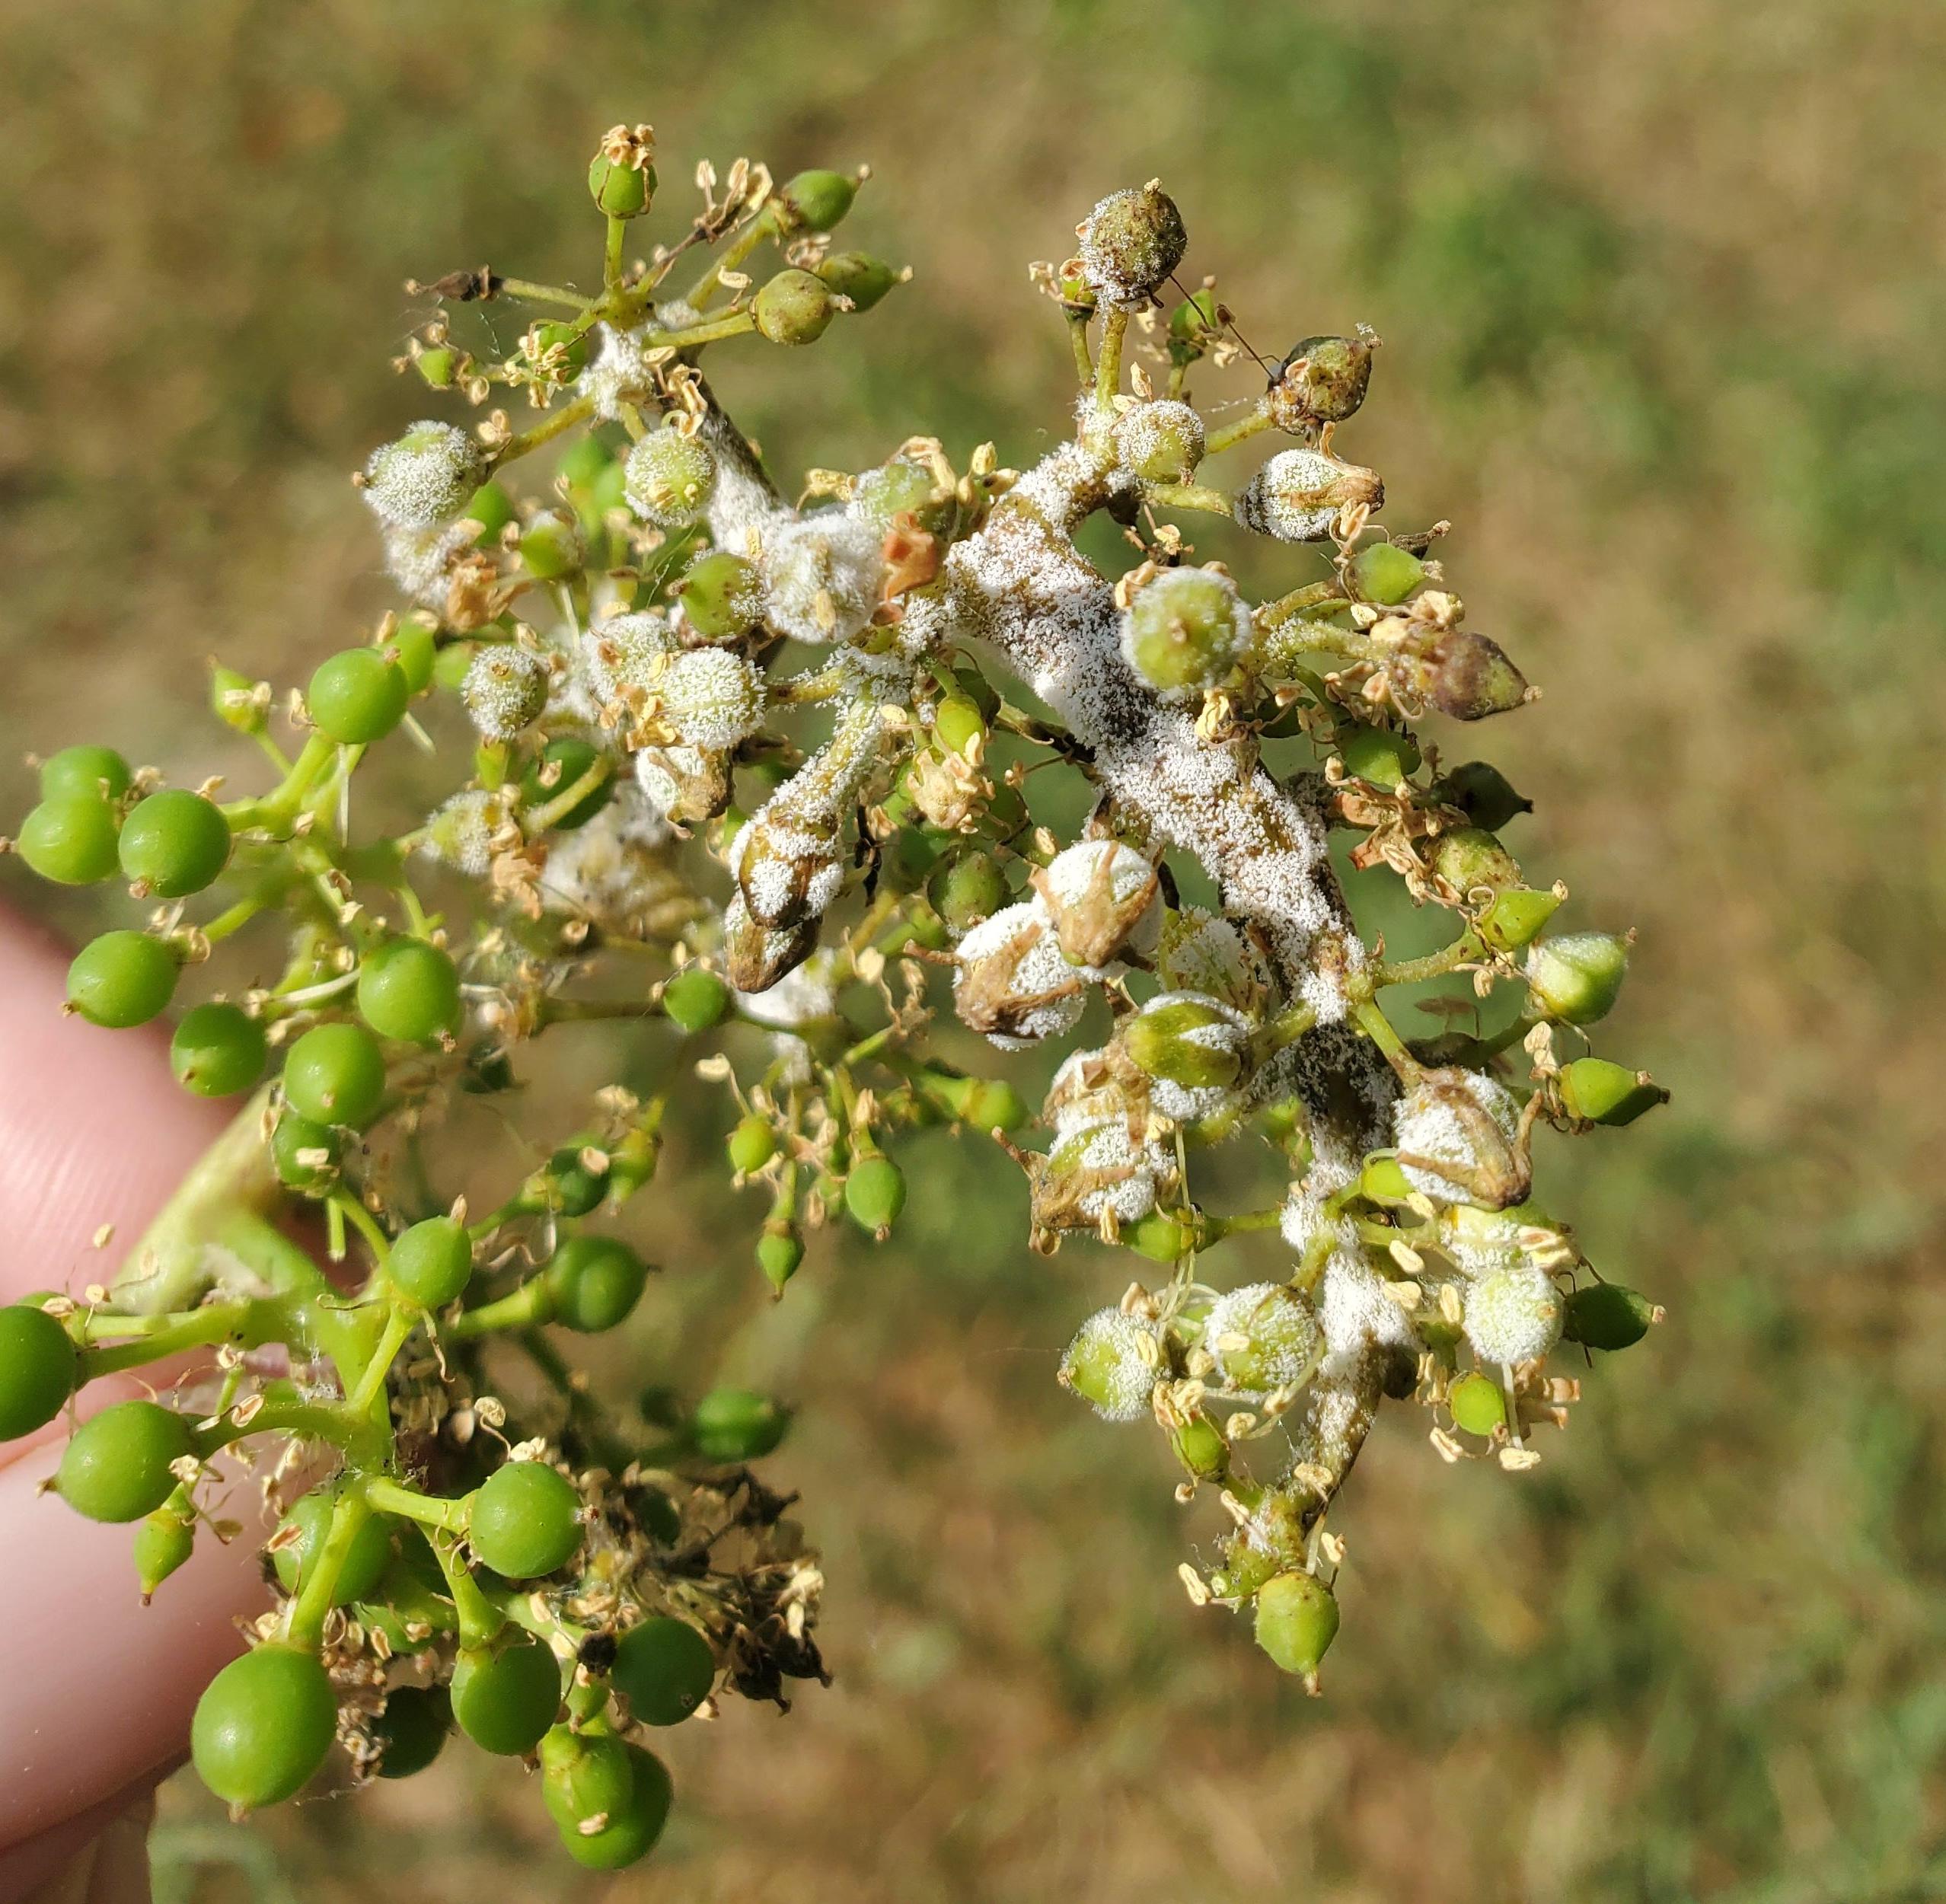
(821, 576)
(1465, 675)
(1130, 243)
(669, 476)
(712, 697)
(1512, 1315)
(1185, 631)
(1091, 1087)
(1263, 1337)
(1458, 1137)
(1111, 1364)
(1014, 984)
(1297, 496)
(425, 477)
(504, 691)
(1103, 899)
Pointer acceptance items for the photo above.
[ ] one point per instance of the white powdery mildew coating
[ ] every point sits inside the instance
(662, 771)
(420, 561)
(505, 689)
(1201, 952)
(822, 575)
(1357, 1315)
(604, 868)
(1152, 435)
(461, 833)
(1280, 1337)
(1278, 501)
(1040, 968)
(712, 697)
(617, 373)
(1514, 1315)
(425, 477)
(802, 996)
(626, 652)
(1073, 874)
(1140, 1169)
(1109, 1345)
(1425, 1127)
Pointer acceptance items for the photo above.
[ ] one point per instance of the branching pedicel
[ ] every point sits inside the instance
(651, 827)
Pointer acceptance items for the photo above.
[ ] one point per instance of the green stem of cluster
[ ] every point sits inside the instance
(304, 1624)
(519, 1309)
(1246, 427)
(1189, 496)
(1108, 366)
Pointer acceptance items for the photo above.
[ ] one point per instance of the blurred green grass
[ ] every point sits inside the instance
(1661, 284)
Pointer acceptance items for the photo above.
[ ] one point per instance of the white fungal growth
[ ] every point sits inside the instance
(1130, 243)
(1200, 951)
(1016, 952)
(1132, 1172)
(464, 833)
(505, 690)
(1262, 1337)
(1162, 442)
(421, 560)
(1108, 881)
(821, 576)
(618, 373)
(803, 996)
(613, 868)
(1512, 1315)
(668, 775)
(626, 654)
(1111, 1364)
(425, 478)
(1297, 496)
(1433, 1124)
(712, 697)
(669, 477)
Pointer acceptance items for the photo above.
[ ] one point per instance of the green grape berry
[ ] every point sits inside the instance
(264, 1726)
(122, 978)
(874, 1195)
(1606, 1315)
(1470, 860)
(794, 307)
(696, 999)
(1604, 1092)
(630, 1833)
(556, 349)
(365, 1561)
(431, 1263)
(357, 695)
(665, 1669)
(564, 764)
(570, 1185)
(304, 1153)
(815, 201)
(1199, 1447)
(1382, 755)
(584, 1776)
(1517, 917)
(492, 508)
(734, 1424)
(117, 1465)
(1186, 631)
(860, 276)
(1478, 1404)
(751, 1144)
(505, 1698)
(164, 1541)
(1577, 977)
(1483, 792)
(1386, 573)
(1112, 1365)
(217, 1050)
(412, 646)
(780, 1252)
(335, 1074)
(669, 477)
(71, 839)
(84, 772)
(621, 179)
(967, 886)
(1296, 1622)
(411, 1731)
(174, 843)
(525, 1520)
(410, 990)
(38, 1365)
(722, 594)
(1130, 243)
(594, 1283)
(551, 546)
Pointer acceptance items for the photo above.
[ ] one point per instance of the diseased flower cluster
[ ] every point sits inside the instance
(750, 769)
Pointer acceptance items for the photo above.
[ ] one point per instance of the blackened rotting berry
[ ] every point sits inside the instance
(598, 1652)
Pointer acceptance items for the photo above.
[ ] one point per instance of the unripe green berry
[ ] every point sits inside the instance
(409, 990)
(1296, 1622)
(1383, 755)
(505, 690)
(492, 508)
(1386, 573)
(875, 1194)
(734, 1424)
(633, 1830)
(564, 763)
(94, 772)
(1186, 631)
(335, 1074)
(1606, 1315)
(621, 179)
(669, 477)
(38, 1366)
(238, 701)
(163, 1542)
(794, 307)
(751, 1144)
(218, 1051)
(365, 1559)
(595, 1282)
(1199, 1447)
(526, 1521)
(901, 485)
(557, 350)
(412, 646)
(1161, 1238)
(779, 1253)
(1130, 243)
(424, 478)
(71, 838)
(1185, 1039)
(1384, 1180)
(1480, 791)
(304, 1153)
(815, 201)
(357, 696)
(722, 594)
(583, 1775)
(1470, 859)
(860, 276)
(1194, 325)
(1477, 1405)
(121, 979)
(432, 1262)
(1604, 1092)
(967, 886)
(1517, 917)
(1112, 1365)
(263, 1727)
(117, 1467)
(174, 843)
(696, 999)
(411, 1731)
(551, 546)
(438, 364)
(665, 1669)
(504, 1699)
(1576, 978)
(570, 1185)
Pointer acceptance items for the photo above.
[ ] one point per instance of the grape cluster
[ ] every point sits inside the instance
(748, 770)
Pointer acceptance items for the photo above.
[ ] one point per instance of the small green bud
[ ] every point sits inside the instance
(752, 1143)
(1194, 325)
(1186, 631)
(858, 275)
(1382, 755)
(1331, 384)
(780, 1250)
(1517, 917)
(722, 594)
(412, 646)
(1470, 859)
(621, 179)
(1605, 1315)
(1130, 243)
(815, 201)
(437, 366)
(1601, 1092)
(238, 701)
(1186, 1039)
(1297, 495)
(794, 307)
(1112, 1364)
(669, 477)
(1296, 1622)
(1576, 977)
(966, 887)
(1386, 573)
(492, 508)
(986, 1104)
(1161, 1238)
(557, 351)
(551, 546)
(696, 998)
(164, 1541)
(875, 1194)
(1477, 1405)
(1199, 1447)
(1461, 673)
(734, 1424)
(1480, 791)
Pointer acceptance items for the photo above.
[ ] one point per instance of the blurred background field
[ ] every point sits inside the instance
(1661, 286)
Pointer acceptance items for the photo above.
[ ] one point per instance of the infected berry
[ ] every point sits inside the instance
(505, 690)
(722, 594)
(1263, 1337)
(425, 478)
(1297, 496)
(669, 477)
(1111, 1365)
(1130, 243)
(1161, 442)
(1186, 631)
(174, 843)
